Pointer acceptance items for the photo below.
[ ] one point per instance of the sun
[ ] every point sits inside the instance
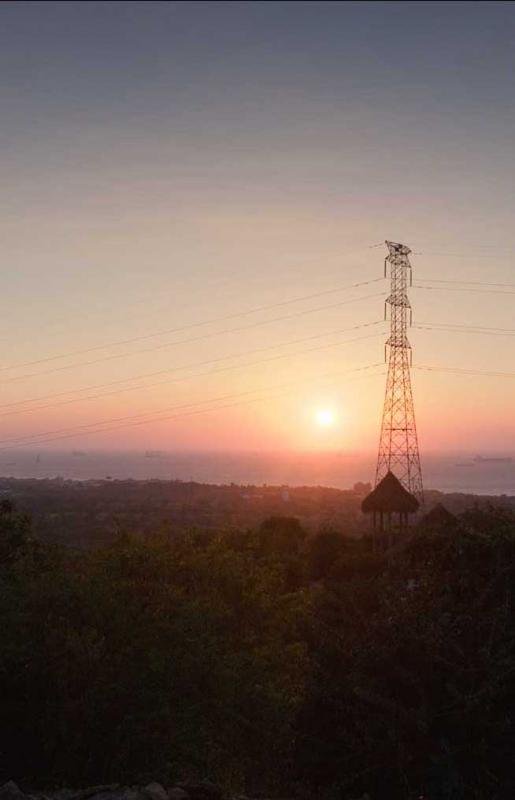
(325, 417)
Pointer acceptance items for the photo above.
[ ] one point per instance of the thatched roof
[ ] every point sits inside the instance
(439, 516)
(390, 495)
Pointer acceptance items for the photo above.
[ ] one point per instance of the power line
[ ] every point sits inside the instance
(166, 345)
(136, 420)
(464, 329)
(463, 289)
(464, 371)
(38, 441)
(460, 326)
(473, 283)
(188, 366)
(259, 361)
(226, 278)
(490, 255)
(168, 331)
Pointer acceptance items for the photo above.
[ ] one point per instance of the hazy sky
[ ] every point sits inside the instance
(164, 164)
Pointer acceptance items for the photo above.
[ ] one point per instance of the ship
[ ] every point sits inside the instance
(154, 454)
(493, 459)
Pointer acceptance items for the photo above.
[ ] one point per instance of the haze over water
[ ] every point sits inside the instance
(450, 473)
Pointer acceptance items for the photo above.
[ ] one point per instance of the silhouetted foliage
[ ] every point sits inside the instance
(265, 659)
(14, 532)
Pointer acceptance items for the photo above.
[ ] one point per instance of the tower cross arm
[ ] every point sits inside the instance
(396, 249)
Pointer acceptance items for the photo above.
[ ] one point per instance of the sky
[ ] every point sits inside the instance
(164, 165)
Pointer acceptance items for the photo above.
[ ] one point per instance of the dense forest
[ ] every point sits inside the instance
(93, 513)
(273, 660)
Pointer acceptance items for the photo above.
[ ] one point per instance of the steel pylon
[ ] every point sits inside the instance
(398, 443)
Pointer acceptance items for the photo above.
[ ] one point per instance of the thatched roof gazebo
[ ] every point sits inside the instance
(387, 501)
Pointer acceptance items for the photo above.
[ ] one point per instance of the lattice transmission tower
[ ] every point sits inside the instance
(398, 444)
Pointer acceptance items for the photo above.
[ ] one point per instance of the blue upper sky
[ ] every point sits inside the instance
(255, 74)
(315, 96)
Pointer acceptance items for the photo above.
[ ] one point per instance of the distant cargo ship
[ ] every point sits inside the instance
(493, 459)
(154, 454)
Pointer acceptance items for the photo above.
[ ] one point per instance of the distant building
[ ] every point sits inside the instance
(439, 517)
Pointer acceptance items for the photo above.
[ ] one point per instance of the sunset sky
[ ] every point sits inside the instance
(168, 164)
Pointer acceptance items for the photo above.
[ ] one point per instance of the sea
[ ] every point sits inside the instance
(468, 473)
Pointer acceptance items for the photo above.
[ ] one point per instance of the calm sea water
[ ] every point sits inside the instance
(451, 473)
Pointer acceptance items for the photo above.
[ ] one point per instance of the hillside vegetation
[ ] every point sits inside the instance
(270, 661)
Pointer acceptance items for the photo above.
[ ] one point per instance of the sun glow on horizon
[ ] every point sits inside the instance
(325, 417)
